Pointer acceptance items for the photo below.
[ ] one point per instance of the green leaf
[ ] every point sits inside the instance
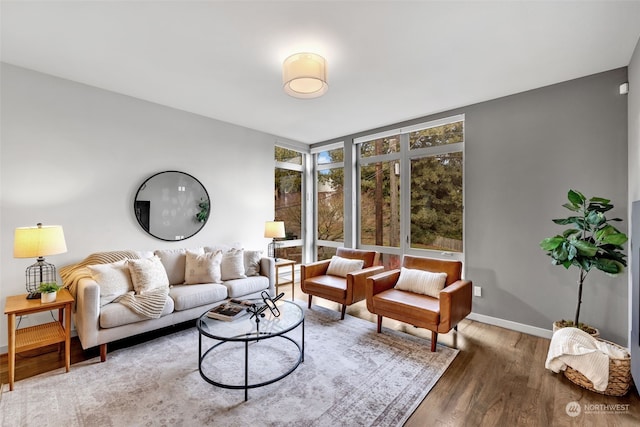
(550, 243)
(585, 248)
(615, 239)
(560, 253)
(610, 267)
(595, 218)
(571, 207)
(576, 197)
(569, 232)
(600, 200)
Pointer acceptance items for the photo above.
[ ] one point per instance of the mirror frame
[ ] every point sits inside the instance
(145, 226)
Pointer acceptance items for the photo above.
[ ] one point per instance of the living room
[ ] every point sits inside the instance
(74, 153)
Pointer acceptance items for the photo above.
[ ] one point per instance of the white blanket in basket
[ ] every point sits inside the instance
(587, 355)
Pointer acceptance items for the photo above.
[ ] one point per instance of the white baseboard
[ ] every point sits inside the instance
(514, 326)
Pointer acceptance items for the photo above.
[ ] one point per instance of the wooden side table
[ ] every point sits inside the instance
(286, 263)
(40, 335)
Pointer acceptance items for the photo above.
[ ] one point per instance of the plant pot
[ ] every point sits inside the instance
(569, 324)
(46, 297)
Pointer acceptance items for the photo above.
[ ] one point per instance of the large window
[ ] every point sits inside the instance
(289, 206)
(411, 190)
(329, 166)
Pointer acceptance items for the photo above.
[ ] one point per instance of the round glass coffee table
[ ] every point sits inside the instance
(246, 330)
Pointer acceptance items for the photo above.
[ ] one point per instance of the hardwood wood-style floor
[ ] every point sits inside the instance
(497, 379)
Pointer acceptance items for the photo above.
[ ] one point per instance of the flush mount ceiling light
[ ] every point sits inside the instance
(305, 75)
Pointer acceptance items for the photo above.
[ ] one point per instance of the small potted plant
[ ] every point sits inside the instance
(48, 291)
(591, 242)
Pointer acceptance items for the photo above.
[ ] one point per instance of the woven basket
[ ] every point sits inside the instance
(619, 375)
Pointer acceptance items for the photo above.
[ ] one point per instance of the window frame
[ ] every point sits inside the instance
(317, 168)
(405, 156)
(302, 168)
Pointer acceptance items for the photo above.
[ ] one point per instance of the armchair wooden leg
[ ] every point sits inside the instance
(344, 310)
(310, 301)
(379, 323)
(434, 340)
(103, 352)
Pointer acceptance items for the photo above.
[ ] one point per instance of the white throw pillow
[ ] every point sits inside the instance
(202, 268)
(114, 280)
(174, 261)
(421, 282)
(147, 274)
(339, 266)
(252, 263)
(232, 265)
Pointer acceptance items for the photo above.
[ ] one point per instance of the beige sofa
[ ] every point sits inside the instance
(99, 321)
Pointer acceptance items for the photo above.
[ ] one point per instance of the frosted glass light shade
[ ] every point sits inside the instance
(274, 229)
(305, 75)
(40, 241)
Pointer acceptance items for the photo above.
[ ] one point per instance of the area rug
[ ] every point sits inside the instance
(351, 376)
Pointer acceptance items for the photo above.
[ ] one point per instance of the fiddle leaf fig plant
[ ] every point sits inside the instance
(590, 242)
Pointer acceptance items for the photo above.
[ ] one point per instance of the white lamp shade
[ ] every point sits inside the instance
(40, 241)
(305, 75)
(274, 229)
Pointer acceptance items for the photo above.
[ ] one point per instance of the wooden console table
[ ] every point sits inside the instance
(38, 336)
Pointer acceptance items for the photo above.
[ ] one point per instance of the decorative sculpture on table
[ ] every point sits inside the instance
(257, 311)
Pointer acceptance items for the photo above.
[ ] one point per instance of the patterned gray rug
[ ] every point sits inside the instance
(351, 376)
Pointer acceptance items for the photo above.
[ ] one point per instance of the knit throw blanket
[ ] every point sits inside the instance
(149, 305)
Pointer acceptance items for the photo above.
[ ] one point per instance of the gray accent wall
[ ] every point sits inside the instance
(634, 199)
(75, 155)
(522, 155)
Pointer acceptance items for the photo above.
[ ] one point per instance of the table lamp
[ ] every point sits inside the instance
(38, 242)
(274, 230)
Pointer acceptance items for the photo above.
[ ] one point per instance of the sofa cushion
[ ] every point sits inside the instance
(252, 262)
(116, 314)
(421, 282)
(189, 296)
(202, 268)
(241, 287)
(114, 280)
(339, 266)
(232, 265)
(174, 261)
(147, 274)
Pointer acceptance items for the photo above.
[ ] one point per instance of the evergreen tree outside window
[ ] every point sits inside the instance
(411, 190)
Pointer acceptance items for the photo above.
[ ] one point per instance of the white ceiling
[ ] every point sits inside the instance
(388, 60)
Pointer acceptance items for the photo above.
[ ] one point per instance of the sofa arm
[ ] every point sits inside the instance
(87, 315)
(378, 283)
(358, 279)
(455, 304)
(268, 269)
(318, 268)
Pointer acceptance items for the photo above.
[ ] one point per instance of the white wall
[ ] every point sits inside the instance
(75, 155)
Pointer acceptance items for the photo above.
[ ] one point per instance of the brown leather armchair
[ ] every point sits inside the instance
(314, 279)
(422, 311)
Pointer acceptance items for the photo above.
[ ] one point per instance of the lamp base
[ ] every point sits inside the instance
(33, 295)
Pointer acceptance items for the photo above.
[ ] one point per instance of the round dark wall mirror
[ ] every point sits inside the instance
(172, 205)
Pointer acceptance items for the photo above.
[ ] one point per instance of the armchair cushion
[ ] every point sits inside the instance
(421, 282)
(339, 266)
